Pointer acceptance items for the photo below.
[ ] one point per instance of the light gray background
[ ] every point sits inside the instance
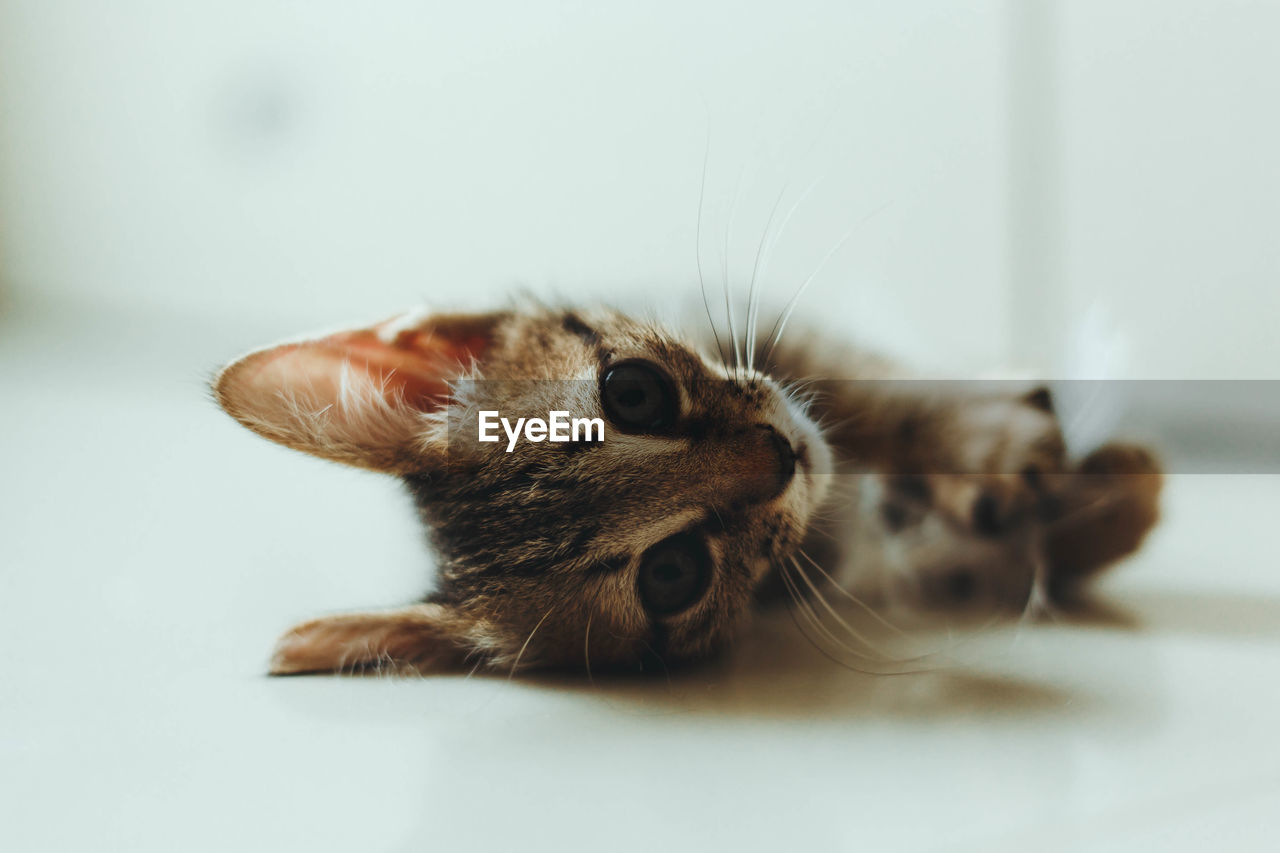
(1080, 188)
(1022, 164)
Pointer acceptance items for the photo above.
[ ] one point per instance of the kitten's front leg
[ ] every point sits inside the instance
(419, 638)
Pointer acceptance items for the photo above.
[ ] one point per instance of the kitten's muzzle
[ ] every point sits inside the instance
(783, 463)
(749, 466)
(786, 457)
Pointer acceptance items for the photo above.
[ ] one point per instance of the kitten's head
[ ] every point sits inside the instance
(648, 543)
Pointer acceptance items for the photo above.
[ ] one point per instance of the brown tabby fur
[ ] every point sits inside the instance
(538, 549)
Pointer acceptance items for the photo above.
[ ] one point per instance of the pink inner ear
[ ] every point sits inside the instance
(414, 366)
(355, 396)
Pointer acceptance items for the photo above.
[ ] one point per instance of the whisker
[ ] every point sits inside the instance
(1037, 597)
(527, 640)
(828, 426)
(724, 269)
(940, 655)
(586, 634)
(762, 258)
(818, 623)
(702, 284)
(586, 649)
(808, 613)
(870, 611)
(821, 599)
(884, 662)
(765, 251)
(666, 672)
(752, 304)
(853, 632)
(781, 323)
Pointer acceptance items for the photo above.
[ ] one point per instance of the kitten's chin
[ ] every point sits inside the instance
(761, 567)
(815, 470)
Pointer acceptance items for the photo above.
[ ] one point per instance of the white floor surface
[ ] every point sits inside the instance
(151, 550)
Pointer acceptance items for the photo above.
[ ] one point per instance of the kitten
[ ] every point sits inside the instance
(657, 541)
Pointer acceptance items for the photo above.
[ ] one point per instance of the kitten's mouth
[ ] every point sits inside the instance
(793, 457)
(802, 455)
(788, 457)
(780, 469)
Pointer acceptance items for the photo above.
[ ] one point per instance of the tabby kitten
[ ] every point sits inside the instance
(655, 542)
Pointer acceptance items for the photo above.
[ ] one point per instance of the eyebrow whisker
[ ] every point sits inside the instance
(702, 284)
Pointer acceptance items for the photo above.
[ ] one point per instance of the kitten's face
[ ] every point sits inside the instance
(648, 543)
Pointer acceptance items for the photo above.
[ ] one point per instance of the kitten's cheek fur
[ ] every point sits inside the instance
(816, 475)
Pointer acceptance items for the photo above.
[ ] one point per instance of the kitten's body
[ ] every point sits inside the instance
(656, 541)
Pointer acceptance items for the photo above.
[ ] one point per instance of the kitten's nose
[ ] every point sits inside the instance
(751, 465)
(786, 458)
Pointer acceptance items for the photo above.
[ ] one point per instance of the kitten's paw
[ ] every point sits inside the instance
(348, 643)
(1106, 508)
(1122, 459)
(414, 639)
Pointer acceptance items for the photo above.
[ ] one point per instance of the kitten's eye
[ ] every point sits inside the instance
(674, 574)
(639, 397)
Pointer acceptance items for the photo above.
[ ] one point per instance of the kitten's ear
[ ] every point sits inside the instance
(423, 638)
(1107, 507)
(1040, 398)
(360, 396)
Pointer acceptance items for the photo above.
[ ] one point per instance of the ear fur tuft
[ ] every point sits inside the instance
(364, 396)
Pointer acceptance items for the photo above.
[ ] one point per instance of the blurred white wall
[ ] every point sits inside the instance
(1006, 166)
(323, 160)
(1163, 140)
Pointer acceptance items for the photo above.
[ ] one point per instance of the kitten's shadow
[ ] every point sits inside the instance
(776, 672)
(1226, 615)
(1046, 670)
